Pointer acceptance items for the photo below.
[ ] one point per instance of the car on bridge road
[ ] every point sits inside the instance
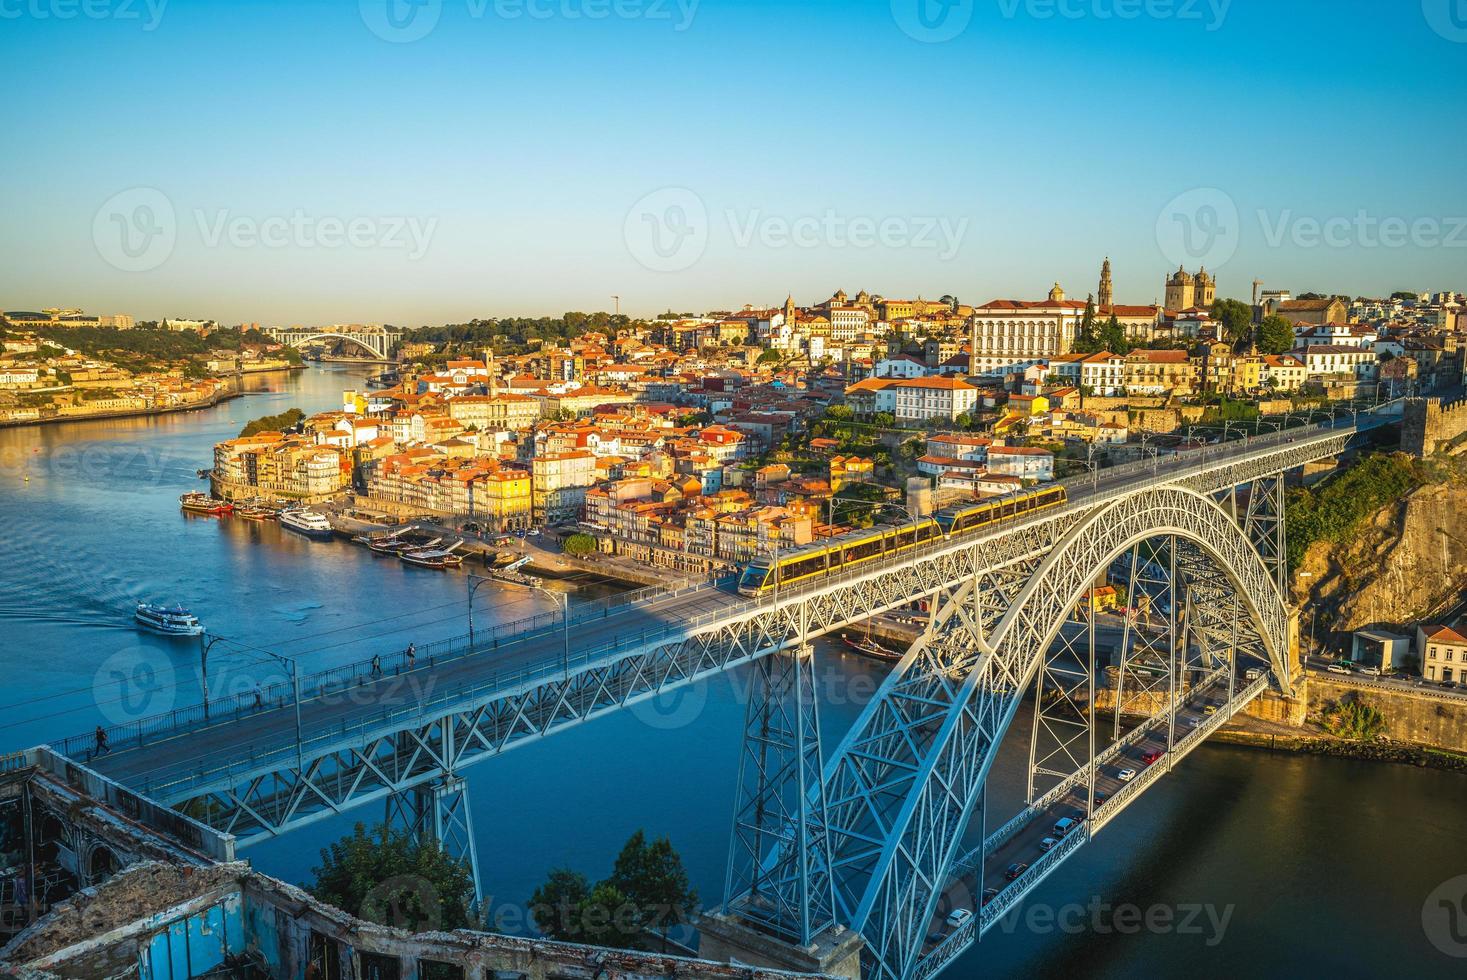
(1049, 843)
(1152, 756)
(959, 916)
(1015, 870)
(1126, 775)
(1063, 826)
(989, 894)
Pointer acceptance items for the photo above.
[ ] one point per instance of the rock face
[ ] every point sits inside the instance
(1404, 565)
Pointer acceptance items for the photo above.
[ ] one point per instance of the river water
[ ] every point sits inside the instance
(1242, 863)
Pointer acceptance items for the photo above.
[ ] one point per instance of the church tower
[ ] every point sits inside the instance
(789, 308)
(1181, 291)
(1206, 289)
(1106, 297)
(1057, 294)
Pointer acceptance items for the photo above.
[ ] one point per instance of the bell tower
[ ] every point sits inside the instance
(1106, 296)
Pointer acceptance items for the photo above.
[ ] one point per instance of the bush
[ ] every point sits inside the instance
(1354, 720)
(1335, 511)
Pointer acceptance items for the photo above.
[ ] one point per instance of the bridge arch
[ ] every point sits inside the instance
(299, 341)
(911, 771)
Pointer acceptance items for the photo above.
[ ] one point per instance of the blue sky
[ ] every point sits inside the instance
(308, 162)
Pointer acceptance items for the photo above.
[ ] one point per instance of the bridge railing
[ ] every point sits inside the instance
(278, 694)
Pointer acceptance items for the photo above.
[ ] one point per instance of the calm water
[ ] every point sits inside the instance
(1294, 866)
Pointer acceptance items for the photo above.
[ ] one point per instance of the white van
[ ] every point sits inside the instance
(1063, 826)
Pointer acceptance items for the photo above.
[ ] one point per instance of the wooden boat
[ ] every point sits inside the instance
(868, 647)
(433, 557)
(202, 503)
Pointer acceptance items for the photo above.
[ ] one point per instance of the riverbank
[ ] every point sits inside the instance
(127, 413)
(1401, 753)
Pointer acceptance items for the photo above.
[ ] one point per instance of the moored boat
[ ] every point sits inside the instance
(254, 512)
(397, 546)
(202, 503)
(868, 647)
(433, 557)
(166, 621)
(308, 523)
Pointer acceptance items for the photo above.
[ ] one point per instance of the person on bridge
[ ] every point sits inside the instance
(256, 690)
(101, 737)
(376, 665)
(412, 655)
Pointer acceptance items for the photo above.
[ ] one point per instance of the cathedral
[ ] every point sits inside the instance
(1185, 291)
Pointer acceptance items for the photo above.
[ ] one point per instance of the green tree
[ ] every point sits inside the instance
(1275, 335)
(386, 877)
(651, 876)
(770, 357)
(579, 545)
(1235, 321)
(273, 423)
(556, 905)
(609, 918)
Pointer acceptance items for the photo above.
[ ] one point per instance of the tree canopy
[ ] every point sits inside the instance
(579, 545)
(272, 423)
(1235, 321)
(386, 877)
(1275, 335)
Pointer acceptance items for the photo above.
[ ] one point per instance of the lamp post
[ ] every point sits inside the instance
(295, 684)
(206, 643)
(562, 600)
(474, 582)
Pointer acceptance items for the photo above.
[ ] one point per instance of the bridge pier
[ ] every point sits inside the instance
(440, 812)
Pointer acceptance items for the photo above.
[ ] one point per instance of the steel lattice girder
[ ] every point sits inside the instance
(901, 788)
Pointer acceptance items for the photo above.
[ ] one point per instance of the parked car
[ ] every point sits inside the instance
(1338, 668)
(1126, 775)
(1372, 671)
(1048, 844)
(1015, 870)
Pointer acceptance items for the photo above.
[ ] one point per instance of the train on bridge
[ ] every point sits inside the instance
(763, 575)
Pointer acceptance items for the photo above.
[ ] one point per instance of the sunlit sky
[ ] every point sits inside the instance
(429, 161)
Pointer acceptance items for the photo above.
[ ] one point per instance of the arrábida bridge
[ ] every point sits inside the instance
(874, 836)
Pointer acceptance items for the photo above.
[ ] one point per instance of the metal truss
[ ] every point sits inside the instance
(1148, 638)
(1264, 525)
(440, 812)
(905, 782)
(779, 855)
(1063, 739)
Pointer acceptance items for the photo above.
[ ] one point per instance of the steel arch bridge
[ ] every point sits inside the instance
(869, 837)
(376, 342)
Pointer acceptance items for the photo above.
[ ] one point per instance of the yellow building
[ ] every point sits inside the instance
(504, 500)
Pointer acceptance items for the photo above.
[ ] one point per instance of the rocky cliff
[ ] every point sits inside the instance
(1404, 563)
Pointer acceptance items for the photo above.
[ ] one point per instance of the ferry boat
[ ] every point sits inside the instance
(176, 621)
(308, 523)
(434, 557)
(202, 503)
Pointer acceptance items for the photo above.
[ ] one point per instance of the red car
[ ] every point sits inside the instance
(1152, 756)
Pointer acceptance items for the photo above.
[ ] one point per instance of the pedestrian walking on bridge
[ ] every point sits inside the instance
(101, 737)
(376, 665)
(412, 655)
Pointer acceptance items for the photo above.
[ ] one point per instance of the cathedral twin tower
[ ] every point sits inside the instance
(1183, 290)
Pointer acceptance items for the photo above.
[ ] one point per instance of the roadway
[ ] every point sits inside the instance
(238, 732)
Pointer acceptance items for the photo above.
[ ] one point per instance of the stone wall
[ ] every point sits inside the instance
(1428, 426)
(1423, 718)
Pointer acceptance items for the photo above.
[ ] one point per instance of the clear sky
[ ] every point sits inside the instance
(428, 161)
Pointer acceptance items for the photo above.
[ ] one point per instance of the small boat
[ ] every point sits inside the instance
(433, 557)
(868, 647)
(254, 512)
(176, 621)
(308, 523)
(370, 539)
(202, 503)
(502, 560)
(397, 546)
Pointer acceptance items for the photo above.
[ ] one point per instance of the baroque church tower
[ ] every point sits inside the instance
(1106, 297)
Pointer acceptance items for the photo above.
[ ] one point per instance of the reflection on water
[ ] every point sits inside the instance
(1324, 864)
